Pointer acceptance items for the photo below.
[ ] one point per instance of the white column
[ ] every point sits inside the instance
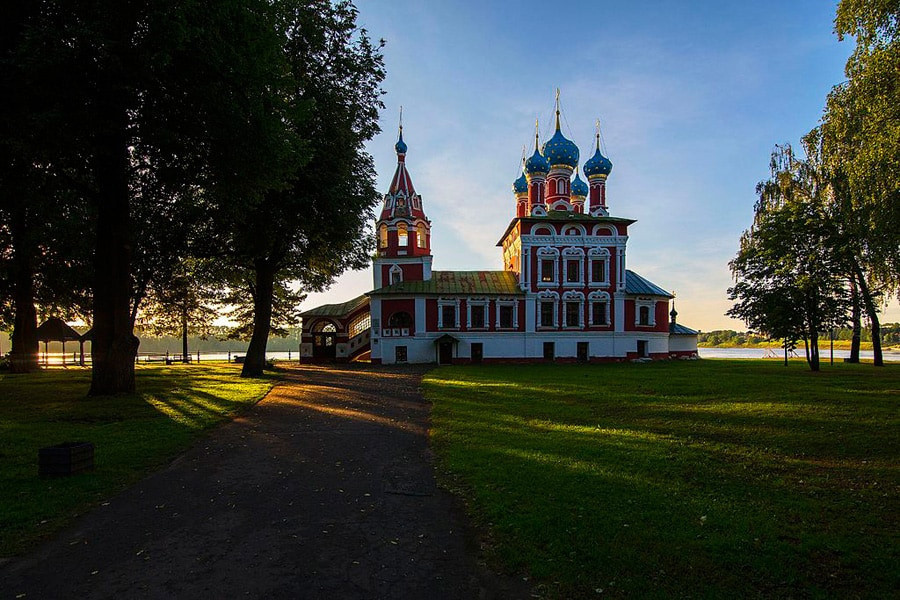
(420, 316)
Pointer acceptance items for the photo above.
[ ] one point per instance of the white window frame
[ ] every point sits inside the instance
(514, 305)
(598, 254)
(485, 304)
(573, 297)
(395, 270)
(547, 297)
(573, 254)
(650, 303)
(597, 298)
(442, 302)
(552, 254)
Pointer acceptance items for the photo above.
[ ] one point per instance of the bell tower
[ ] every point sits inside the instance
(403, 231)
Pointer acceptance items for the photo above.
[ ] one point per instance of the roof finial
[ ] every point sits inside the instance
(401, 120)
(557, 109)
(598, 134)
(536, 130)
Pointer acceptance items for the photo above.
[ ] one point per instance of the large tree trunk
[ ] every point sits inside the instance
(872, 313)
(856, 318)
(24, 353)
(255, 361)
(114, 344)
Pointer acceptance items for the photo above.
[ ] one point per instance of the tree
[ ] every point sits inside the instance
(788, 279)
(170, 96)
(183, 305)
(316, 227)
(860, 133)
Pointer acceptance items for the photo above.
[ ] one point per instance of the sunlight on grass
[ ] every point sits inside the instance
(710, 479)
(133, 434)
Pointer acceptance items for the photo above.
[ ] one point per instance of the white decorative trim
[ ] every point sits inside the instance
(578, 226)
(650, 304)
(547, 296)
(576, 254)
(485, 304)
(442, 302)
(597, 298)
(538, 211)
(573, 297)
(395, 270)
(601, 254)
(512, 303)
(611, 230)
(548, 253)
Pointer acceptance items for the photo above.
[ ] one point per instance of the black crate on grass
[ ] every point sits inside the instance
(67, 458)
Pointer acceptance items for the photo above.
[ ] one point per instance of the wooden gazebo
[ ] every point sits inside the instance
(55, 329)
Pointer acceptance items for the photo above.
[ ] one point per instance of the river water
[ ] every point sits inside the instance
(824, 354)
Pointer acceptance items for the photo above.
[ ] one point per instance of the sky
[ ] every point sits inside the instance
(692, 97)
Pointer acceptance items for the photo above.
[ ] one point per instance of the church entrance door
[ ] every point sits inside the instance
(445, 352)
(324, 344)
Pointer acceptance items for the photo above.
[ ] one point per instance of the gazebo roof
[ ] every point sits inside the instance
(55, 329)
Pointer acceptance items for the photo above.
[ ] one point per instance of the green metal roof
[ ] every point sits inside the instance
(679, 329)
(337, 310)
(635, 284)
(458, 282)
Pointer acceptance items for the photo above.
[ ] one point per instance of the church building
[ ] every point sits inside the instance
(564, 293)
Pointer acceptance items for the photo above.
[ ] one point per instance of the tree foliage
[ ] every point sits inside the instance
(788, 280)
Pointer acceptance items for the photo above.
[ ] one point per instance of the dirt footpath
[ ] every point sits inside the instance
(323, 490)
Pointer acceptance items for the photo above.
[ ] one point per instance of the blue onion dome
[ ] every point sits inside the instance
(536, 163)
(560, 150)
(400, 146)
(520, 185)
(597, 164)
(579, 188)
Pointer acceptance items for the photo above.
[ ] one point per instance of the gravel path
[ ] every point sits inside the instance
(323, 490)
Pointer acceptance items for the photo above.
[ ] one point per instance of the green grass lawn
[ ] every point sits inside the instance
(133, 435)
(710, 479)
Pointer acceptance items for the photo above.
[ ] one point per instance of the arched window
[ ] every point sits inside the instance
(644, 318)
(402, 234)
(325, 327)
(400, 319)
(561, 186)
(420, 234)
(382, 236)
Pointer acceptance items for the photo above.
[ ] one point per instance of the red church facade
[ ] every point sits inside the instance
(565, 293)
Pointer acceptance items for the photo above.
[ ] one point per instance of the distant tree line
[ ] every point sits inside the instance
(162, 159)
(824, 247)
(890, 336)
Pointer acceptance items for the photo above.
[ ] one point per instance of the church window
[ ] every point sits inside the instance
(396, 274)
(506, 317)
(573, 271)
(402, 234)
(598, 270)
(547, 270)
(477, 316)
(360, 324)
(644, 315)
(548, 313)
(598, 313)
(573, 314)
(560, 186)
(420, 235)
(400, 319)
(448, 316)
(383, 236)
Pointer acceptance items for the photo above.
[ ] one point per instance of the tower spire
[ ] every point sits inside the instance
(598, 134)
(557, 109)
(536, 131)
